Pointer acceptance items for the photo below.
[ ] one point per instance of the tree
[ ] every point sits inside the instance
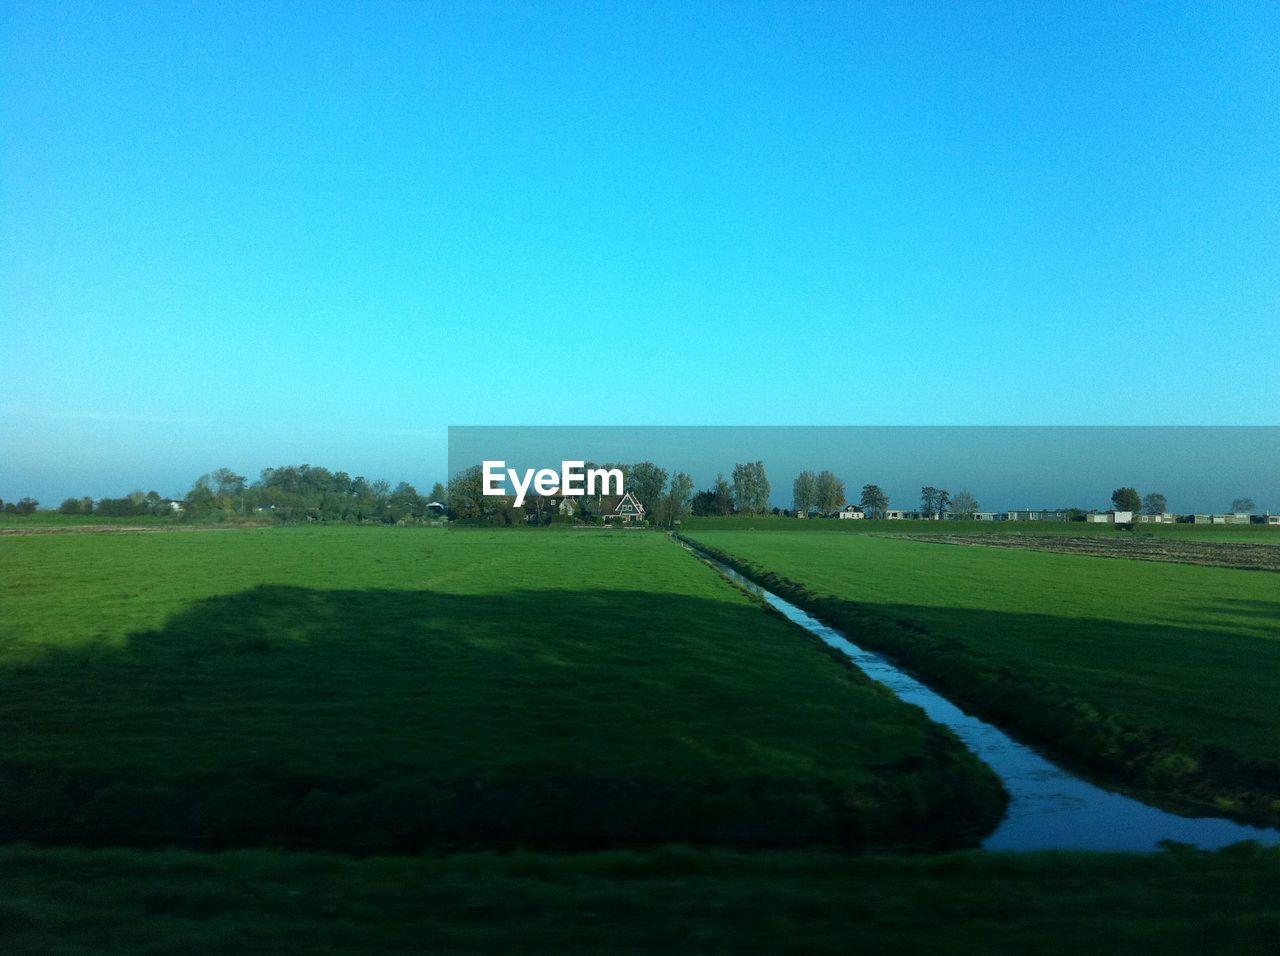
(648, 481)
(828, 492)
(928, 500)
(1154, 504)
(934, 501)
(804, 492)
(438, 492)
(71, 506)
(965, 504)
(466, 493)
(1126, 499)
(675, 504)
(26, 506)
(751, 487)
(874, 501)
(1242, 506)
(703, 503)
(722, 502)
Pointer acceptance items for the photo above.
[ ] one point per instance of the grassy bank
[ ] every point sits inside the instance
(666, 900)
(1157, 675)
(393, 689)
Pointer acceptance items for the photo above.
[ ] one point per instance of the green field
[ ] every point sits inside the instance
(1247, 533)
(1163, 674)
(668, 900)
(372, 689)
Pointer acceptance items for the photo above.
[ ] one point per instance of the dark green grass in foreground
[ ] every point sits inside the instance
(667, 900)
(1162, 673)
(376, 689)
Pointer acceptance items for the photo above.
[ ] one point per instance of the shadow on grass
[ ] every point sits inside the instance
(377, 720)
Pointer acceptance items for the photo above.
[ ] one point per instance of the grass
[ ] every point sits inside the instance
(667, 900)
(1248, 533)
(1161, 673)
(374, 689)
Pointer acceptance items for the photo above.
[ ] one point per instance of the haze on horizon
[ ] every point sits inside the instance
(246, 236)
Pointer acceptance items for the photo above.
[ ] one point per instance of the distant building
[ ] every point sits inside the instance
(975, 516)
(1036, 516)
(1109, 517)
(851, 511)
(623, 508)
(1267, 518)
(893, 514)
(1236, 518)
(1163, 517)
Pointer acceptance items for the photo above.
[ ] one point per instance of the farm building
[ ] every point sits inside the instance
(1164, 517)
(622, 508)
(976, 516)
(1236, 518)
(893, 514)
(851, 511)
(1036, 516)
(1267, 518)
(1110, 517)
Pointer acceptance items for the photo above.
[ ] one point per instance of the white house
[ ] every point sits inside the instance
(1110, 517)
(894, 514)
(625, 508)
(851, 511)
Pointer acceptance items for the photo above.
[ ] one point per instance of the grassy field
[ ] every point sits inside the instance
(1249, 533)
(406, 688)
(666, 900)
(1161, 674)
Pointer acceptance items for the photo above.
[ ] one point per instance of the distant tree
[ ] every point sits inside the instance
(828, 492)
(928, 500)
(944, 501)
(965, 504)
(703, 503)
(674, 505)
(1126, 499)
(874, 501)
(722, 502)
(466, 493)
(1154, 503)
(26, 506)
(804, 491)
(70, 506)
(751, 487)
(438, 492)
(404, 503)
(647, 483)
(1242, 506)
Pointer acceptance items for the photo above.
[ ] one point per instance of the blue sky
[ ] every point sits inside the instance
(251, 234)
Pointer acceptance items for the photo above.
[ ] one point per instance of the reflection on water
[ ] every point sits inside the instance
(1051, 808)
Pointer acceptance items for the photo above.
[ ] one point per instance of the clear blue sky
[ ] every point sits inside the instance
(249, 234)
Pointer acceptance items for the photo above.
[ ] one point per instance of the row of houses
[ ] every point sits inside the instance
(855, 512)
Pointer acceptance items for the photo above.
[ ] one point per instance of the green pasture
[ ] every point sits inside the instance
(371, 688)
(1247, 533)
(1191, 654)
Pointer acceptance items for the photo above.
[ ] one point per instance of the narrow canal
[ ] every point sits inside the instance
(1051, 808)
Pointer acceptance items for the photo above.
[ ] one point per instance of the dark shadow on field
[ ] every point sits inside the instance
(374, 720)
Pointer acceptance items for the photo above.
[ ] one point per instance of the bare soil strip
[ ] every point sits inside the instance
(1221, 554)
